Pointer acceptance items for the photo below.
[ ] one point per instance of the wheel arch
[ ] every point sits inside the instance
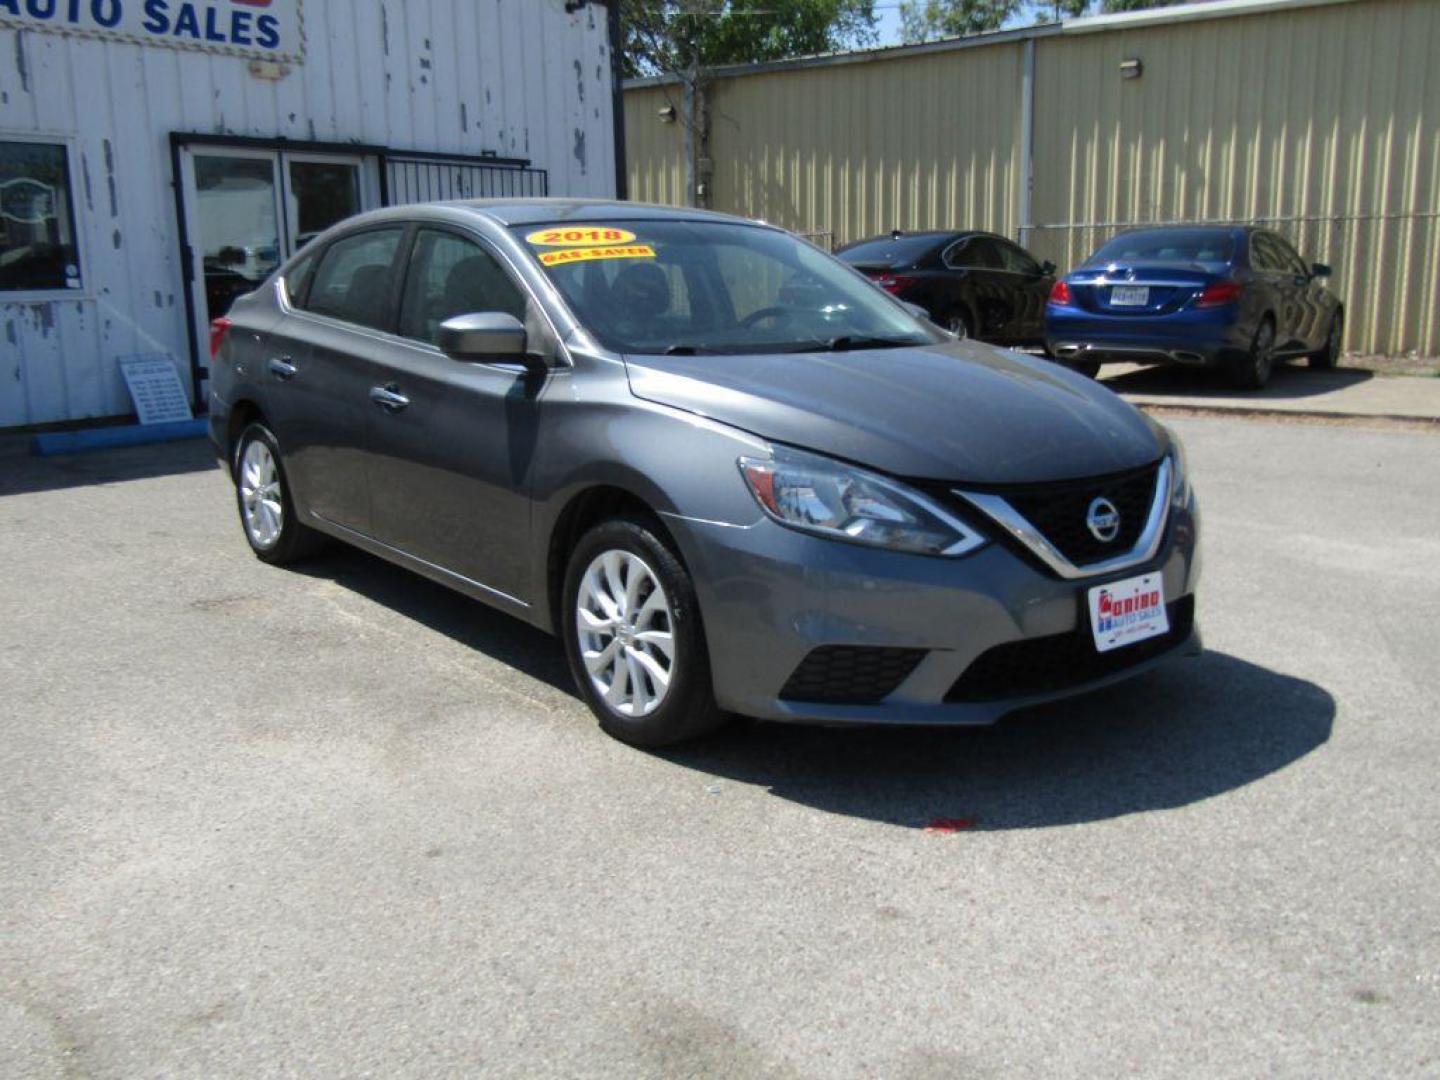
(242, 414)
(582, 511)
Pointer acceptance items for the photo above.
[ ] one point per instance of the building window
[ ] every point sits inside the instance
(37, 218)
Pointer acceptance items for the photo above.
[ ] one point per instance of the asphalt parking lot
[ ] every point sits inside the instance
(260, 822)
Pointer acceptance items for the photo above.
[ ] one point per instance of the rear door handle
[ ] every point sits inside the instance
(281, 368)
(388, 397)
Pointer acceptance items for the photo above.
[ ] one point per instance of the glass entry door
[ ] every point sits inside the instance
(247, 210)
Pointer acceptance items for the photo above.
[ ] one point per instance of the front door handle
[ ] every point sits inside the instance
(281, 368)
(388, 397)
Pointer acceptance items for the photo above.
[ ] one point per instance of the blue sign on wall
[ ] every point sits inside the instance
(269, 29)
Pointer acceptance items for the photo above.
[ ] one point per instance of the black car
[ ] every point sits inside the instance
(975, 284)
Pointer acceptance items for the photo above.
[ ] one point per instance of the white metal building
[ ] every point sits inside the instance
(157, 157)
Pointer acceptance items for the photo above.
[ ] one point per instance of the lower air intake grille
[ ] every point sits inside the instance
(1049, 664)
(850, 674)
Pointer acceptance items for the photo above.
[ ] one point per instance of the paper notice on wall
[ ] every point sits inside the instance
(155, 388)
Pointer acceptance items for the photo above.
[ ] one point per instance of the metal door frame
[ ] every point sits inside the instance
(374, 186)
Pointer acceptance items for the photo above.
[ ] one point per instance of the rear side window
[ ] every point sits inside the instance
(352, 281)
(977, 251)
(451, 276)
(1017, 261)
(297, 279)
(1289, 258)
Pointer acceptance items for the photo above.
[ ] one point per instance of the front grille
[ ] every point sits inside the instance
(1060, 511)
(1051, 664)
(850, 674)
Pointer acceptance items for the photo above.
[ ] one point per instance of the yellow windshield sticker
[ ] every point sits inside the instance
(569, 255)
(580, 236)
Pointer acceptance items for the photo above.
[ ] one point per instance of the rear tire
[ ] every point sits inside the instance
(1329, 356)
(1089, 368)
(633, 636)
(262, 495)
(1252, 370)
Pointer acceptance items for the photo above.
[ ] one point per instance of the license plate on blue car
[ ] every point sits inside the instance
(1130, 295)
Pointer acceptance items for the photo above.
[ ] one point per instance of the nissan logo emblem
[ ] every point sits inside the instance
(1103, 520)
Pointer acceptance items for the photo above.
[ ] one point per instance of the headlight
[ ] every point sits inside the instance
(816, 495)
(1179, 472)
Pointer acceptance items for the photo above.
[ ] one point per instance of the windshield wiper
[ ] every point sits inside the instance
(851, 341)
(847, 342)
(690, 350)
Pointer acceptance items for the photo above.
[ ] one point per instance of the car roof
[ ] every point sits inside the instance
(510, 212)
(1226, 230)
(926, 234)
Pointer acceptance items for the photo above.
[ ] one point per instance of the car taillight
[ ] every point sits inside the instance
(1060, 293)
(1218, 293)
(893, 283)
(218, 329)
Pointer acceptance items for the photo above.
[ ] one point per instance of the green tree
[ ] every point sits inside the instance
(676, 36)
(925, 20)
(1109, 6)
(684, 39)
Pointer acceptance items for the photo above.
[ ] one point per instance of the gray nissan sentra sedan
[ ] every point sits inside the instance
(730, 473)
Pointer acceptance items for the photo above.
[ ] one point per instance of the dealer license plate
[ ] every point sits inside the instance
(1124, 612)
(1129, 296)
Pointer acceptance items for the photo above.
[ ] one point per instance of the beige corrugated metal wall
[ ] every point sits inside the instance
(1323, 122)
(849, 150)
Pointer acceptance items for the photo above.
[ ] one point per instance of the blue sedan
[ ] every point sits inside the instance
(1229, 297)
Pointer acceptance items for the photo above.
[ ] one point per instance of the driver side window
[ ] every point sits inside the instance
(451, 276)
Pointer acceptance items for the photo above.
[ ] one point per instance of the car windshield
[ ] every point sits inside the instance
(701, 287)
(1169, 245)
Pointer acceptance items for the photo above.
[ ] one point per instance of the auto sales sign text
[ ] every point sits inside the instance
(270, 29)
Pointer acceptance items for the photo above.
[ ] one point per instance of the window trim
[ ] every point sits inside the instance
(82, 253)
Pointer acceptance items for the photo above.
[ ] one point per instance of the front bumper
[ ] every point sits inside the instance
(770, 595)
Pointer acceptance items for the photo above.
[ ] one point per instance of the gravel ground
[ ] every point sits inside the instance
(260, 822)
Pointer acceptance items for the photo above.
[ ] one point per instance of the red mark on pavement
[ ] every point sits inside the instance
(950, 824)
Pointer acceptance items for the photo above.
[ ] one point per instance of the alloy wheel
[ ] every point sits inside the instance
(260, 495)
(626, 633)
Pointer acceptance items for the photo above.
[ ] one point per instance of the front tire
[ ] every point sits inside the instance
(633, 636)
(958, 323)
(1329, 356)
(262, 495)
(1252, 370)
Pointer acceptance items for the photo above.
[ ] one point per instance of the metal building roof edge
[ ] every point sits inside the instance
(1090, 24)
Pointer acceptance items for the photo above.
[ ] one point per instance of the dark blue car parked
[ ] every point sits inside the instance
(1235, 298)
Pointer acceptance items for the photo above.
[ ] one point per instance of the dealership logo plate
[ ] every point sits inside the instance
(1124, 612)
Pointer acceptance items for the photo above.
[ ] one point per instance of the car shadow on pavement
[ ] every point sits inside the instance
(20, 473)
(1188, 731)
(499, 636)
(1287, 382)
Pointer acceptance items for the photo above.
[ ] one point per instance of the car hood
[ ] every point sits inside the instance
(955, 411)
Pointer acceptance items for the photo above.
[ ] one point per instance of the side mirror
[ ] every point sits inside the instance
(1047, 268)
(1319, 270)
(916, 310)
(483, 335)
